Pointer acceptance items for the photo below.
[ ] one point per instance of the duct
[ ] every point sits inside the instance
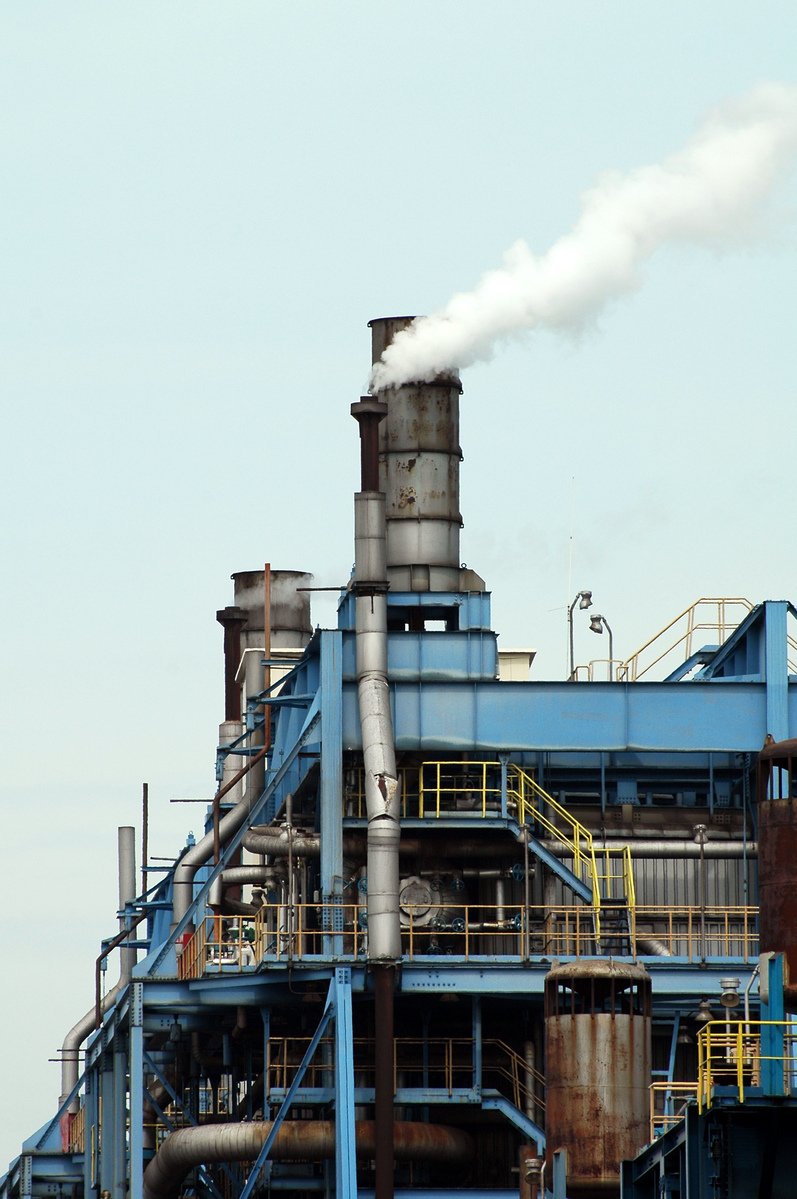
(279, 841)
(186, 868)
(652, 947)
(70, 1050)
(373, 692)
(297, 1141)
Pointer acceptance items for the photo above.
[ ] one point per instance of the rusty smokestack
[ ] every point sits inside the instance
(419, 457)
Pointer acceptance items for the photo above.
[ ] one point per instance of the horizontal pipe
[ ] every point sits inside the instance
(268, 838)
(297, 1141)
(664, 848)
(186, 868)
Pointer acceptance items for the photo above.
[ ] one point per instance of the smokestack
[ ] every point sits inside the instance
(419, 457)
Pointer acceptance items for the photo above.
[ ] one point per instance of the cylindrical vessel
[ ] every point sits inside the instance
(419, 457)
(290, 608)
(597, 1065)
(777, 850)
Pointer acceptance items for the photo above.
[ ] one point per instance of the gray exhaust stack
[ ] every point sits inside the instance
(379, 754)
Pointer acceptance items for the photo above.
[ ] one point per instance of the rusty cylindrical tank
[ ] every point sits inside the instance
(777, 850)
(597, 1065)
(419, 455)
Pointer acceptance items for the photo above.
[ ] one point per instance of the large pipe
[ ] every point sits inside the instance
(232, 619)
(126, 856)
(296, 1141)
(70, 1050)
(664, 848)
(379, 755)
(279, 840)
(186, 868)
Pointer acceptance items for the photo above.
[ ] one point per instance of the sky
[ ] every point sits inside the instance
(203, 204)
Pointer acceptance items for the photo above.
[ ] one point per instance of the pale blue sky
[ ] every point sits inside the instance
(203, 204)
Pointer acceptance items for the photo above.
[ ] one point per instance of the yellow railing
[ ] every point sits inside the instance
(695, 932)
(729, 1054)
(280, 933)
(77, 1131)
(668, 1102)
(718, 615)
(466, 788)
(444, 788)
(443, 1063)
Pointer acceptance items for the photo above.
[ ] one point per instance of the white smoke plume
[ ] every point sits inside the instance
(706, 192)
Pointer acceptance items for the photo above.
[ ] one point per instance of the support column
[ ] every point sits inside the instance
(331, 787)
(776, 668)
(106, 1128)
(136, 1090)
(91, 1131)
(345, 1155)
(384, 1153)
(119, 1188)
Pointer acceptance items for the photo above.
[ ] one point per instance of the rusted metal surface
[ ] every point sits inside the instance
(296, 1141)
(598, 1061)
(368, 412)
(777, 851)
(232, 620)
(384, 1153)
(419, 466)
(290, 607)
(777, 875)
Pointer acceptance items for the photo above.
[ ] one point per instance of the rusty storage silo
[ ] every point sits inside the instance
(597, 1060)
(777, 850)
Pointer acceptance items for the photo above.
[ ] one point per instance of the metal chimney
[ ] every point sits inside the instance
(419, 457)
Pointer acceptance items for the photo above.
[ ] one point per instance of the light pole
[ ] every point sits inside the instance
(584, 600)
(597, 624)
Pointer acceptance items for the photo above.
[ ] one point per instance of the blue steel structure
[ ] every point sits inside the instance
(264, 1018)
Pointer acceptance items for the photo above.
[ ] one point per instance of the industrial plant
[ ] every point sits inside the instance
(450, 930)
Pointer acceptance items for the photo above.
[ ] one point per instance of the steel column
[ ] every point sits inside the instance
(331, 782)
(345, 1154)
(776, 668)
(136, 1090)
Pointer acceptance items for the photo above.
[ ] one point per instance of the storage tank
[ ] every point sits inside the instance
(597, 1065)
(777, 850)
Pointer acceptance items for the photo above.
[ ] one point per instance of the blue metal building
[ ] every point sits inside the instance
(542, 824)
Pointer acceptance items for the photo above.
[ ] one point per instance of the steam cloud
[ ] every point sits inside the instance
(705, 192)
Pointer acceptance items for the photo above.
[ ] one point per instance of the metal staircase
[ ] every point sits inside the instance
(601, 877)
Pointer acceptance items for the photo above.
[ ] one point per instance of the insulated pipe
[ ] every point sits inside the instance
(379, 754)
(664, 848)
(272, 839)
(126, 851)
(70, 1050)
(296, 1141)
(186, 868)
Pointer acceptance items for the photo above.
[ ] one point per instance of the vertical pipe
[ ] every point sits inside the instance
(144, 835)
(127, 892)
(383, 1080)
(232, 620)
(267, 651)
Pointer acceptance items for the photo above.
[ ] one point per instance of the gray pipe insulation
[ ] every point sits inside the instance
(651, 848)
(199, 854)
(382, 798)
(297, 1140)
(70, 1050)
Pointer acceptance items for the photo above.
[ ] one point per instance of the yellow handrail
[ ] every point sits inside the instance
(729, 1054)
(722, 624)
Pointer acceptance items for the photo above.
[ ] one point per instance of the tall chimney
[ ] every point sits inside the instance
(419, 457)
